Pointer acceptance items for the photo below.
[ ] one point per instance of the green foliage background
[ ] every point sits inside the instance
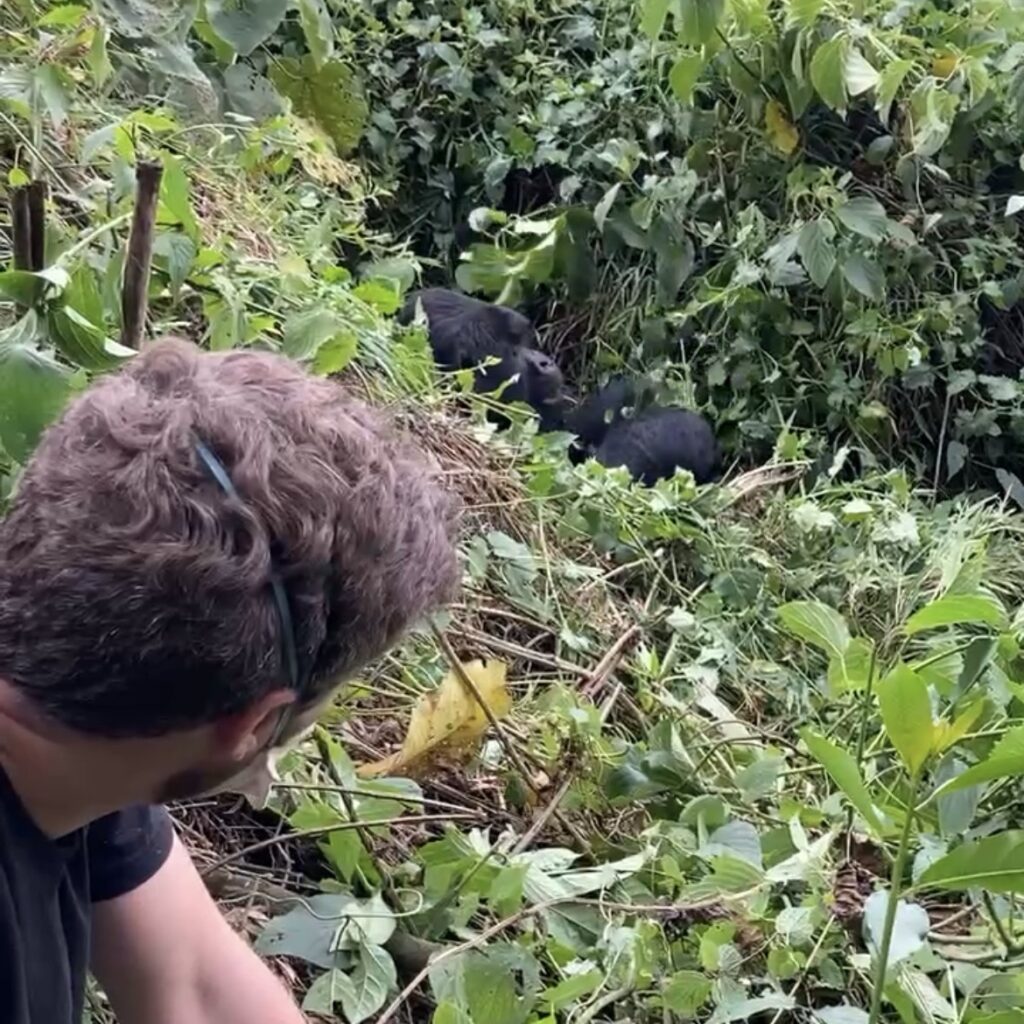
(757, 713)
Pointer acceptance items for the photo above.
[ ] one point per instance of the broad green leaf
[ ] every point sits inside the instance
(910, 926)
(817, 251)
(700, 19)
(372, 978)
(858, 73)
(570, 989)
(889, 83)
(330, 95)
(843, 770)
(851, 670)
(828, 72)
(948, 733)
(179, 252)
(325, 992)
(817, 623)
(841, 1014)
(319, 31)
(803, 13)
(864, 215)
(683, 76)
(995, 864)
(686, 992)
(174, 195)
(746, 1009)
(33, 386)
(306, 331)
(907, 715)
(245, 23)
(22, 286)
(484, 983)
(956, 809)
(958, 610)
(864, 275)
(652, 17)
(336, 353)
(1005, 761)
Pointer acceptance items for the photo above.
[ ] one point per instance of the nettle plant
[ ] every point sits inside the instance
(933, 780)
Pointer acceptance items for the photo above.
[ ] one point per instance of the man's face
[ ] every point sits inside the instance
(252, 778)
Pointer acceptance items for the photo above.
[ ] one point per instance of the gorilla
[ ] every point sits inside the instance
(651, 443)
(500, 344)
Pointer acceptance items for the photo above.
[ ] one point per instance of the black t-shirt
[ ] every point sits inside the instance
(47, 889)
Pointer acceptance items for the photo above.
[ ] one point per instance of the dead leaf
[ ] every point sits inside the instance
(448, 720)
(782, 133)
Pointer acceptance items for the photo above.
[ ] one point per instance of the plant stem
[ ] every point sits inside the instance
(895, 883)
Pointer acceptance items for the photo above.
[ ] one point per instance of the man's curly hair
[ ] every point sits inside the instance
(134, 593)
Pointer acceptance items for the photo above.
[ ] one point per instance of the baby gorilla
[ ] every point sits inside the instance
(467, 333)
(651, 443)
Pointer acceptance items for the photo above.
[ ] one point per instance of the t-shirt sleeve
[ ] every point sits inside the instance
(126, 849)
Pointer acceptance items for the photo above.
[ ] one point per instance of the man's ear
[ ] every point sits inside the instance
(245, 733)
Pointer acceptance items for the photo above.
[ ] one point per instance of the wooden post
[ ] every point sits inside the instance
(21, 228)
(139, 259)
(37, 222)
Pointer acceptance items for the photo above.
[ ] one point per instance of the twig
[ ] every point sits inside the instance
(323, 830)
(37, 223)
(139, 259)
(544, 817)
(1013, 947)
(513, 753)
(602, 1003)
(401, 798)
(21, 228)
(518, 651)
(607, 665)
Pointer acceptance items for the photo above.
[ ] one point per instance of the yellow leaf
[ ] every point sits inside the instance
(944, 64)
(948, 733)
(448, 720)
(782, 133)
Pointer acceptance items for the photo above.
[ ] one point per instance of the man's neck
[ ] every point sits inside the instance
(64, 778)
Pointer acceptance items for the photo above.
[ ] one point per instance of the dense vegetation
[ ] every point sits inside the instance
(723, 724)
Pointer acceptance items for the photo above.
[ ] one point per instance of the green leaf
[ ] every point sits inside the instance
(864, 275)
(336, 353)
(484, 984)
(306, 331)
(33, 387)
(858, 73)
(686, 992)
(174, 196)
(1005, 761)
(851, 670)
(958, 610)
(828, 72)
(843, 770)
(909, 931)
(995, 864)
(245, 23)
(889, 83)
(316, 24)
(179, 252)
(24, 287)
(864, 215)
(330, 95)
(907, 715)
(956, 809)
(372, 979)
(817, 251)
(817, 623)
(570, 989)
(803, 13)
(652, 17)
(699, 21)
(683, 77)
(325, 992)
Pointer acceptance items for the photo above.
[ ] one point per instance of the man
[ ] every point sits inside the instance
(200, 551)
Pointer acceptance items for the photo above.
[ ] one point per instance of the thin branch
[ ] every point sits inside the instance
(139, 259)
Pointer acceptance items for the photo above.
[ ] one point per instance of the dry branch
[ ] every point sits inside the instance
(134, 292)
(21, 228)
(36, 201)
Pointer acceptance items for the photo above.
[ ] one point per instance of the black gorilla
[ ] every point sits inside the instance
(467, 333)
(651, 443)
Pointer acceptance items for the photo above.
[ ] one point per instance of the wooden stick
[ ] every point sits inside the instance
(21, 227)
(36, 200)
(139, 259)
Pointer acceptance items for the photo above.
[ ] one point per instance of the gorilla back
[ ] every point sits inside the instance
(659, 440)
(464, 331)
